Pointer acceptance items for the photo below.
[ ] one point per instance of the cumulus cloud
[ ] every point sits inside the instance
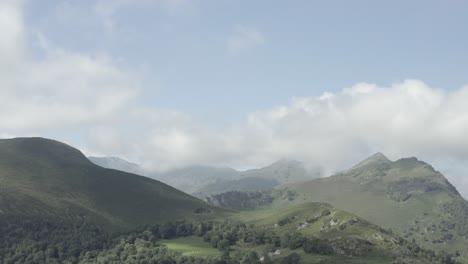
(244, 38)
(334, 130)
(405, 119)
(63, 89)
(11, 38)
(87, 92)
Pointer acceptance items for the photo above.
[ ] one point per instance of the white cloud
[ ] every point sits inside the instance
(11, 38)
(64, 89)
(244, 38)
(67, 90)
(334, 130)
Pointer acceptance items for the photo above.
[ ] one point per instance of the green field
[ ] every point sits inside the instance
(191, 246)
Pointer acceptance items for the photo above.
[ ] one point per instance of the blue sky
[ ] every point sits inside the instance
(309, 47)
(172, 83)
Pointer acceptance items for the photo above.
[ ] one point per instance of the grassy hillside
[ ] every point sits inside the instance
(349, 237)
(306, 233)
(407, 196)
(58, 207)
(45, 178)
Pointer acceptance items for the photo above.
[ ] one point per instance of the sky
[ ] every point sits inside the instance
(173, 83)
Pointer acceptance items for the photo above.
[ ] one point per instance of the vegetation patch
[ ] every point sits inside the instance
(191, 246)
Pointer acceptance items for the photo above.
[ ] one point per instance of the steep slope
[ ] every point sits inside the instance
(407, 195)
(41, 178)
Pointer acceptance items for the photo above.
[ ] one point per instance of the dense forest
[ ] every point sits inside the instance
(41, 241)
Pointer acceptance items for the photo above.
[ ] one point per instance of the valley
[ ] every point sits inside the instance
(58, 207)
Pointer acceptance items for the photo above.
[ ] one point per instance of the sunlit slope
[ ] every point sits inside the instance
(46, 178)
(345, 233)
(407, 195)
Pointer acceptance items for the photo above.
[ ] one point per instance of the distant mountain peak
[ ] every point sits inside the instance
(111, 159)
(117, 164)
(377, 158)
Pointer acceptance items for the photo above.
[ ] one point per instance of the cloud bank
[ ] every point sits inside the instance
(63, 91)
(405, 119)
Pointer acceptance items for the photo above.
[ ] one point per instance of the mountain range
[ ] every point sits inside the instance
(56, 206)
(407, 196)
(202, 181)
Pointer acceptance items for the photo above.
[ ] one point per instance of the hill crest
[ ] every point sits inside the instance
(41, 176)
(407, 195)
(377, 158)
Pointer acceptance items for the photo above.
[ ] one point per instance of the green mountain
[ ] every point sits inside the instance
(202, 181)
(407, 196)
(41, 178)
(337, 236)
(58, 207)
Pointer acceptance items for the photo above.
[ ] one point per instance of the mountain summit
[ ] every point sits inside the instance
(46, 178)
(377, 158)
(407, 195)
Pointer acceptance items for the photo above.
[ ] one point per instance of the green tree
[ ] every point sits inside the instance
(251, 257)
(292, 258)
